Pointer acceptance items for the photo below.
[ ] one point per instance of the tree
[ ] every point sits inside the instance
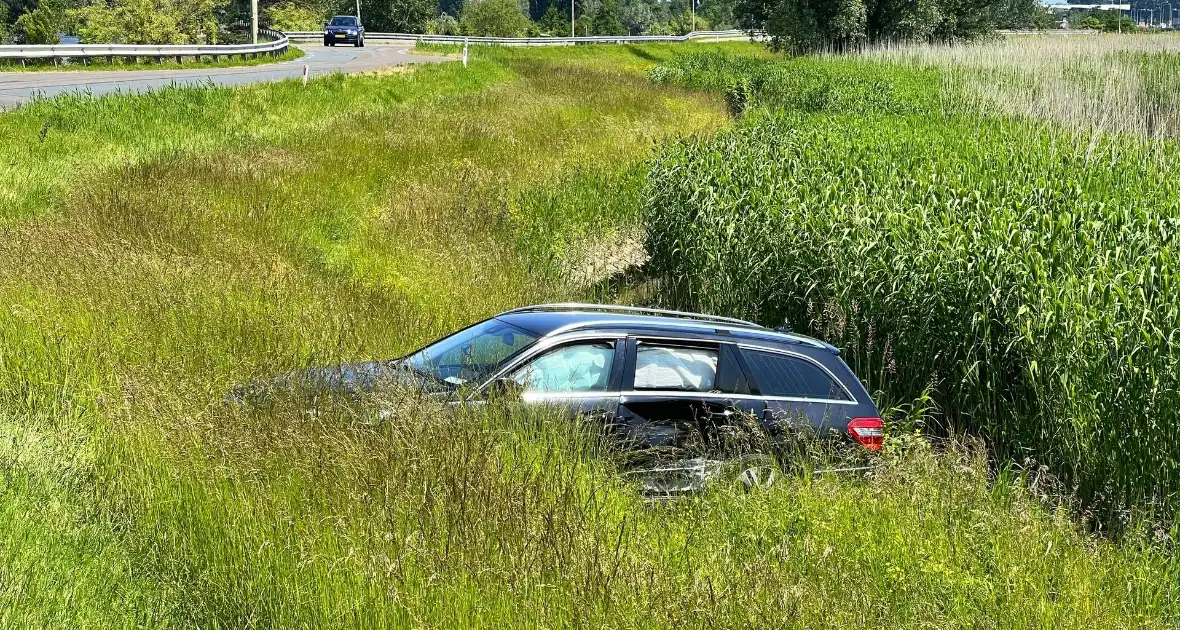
(444, 24)
(148, 22)
(493, 18)
(638, 17)
(1091, 23)
(43, 24)
(801, 26)
(397, 16)
(609, 19)
(1113, 21)
(13, 9)
(288, 16)
(583, 26)
(553, 23)
(719, 13)
(5, 34)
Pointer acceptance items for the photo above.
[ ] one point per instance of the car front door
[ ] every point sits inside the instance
(581, 375)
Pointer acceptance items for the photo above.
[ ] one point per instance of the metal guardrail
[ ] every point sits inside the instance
(311, 36)
(279, 44)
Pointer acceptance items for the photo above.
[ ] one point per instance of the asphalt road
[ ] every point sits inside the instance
(19, 87)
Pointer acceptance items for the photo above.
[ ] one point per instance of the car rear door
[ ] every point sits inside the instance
(800, 393)
(679, 394)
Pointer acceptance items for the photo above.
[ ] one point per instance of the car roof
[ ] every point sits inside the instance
(546, 320)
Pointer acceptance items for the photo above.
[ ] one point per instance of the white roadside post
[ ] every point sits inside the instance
(304, 75)
(465, 52)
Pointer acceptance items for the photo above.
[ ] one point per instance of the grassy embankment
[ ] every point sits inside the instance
(47, 65)
(156, 249)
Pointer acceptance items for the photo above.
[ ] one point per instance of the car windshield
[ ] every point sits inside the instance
(472, 354)
(343, 21)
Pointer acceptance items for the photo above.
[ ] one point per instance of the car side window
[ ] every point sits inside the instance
(582, 367)
(683, 368)
(783, 375)
(731, 379)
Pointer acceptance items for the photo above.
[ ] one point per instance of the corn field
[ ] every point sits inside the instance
(1020, 268)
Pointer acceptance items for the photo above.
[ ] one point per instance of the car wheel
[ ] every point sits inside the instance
(754, 472)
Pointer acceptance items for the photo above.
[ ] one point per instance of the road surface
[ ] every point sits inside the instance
(20, 87)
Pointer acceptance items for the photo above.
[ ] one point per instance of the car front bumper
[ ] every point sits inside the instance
(341, 38)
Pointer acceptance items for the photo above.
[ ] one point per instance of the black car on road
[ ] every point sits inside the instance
(344, 29)
(655, 376)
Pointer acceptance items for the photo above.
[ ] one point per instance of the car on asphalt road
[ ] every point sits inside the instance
(657, 378)
(344, 29)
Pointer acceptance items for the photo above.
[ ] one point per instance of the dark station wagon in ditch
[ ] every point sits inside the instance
(655, 376)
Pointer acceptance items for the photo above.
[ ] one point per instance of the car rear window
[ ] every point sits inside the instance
(675, 368)
(783, 375)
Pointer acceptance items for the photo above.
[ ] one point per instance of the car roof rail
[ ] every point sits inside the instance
(614, 308)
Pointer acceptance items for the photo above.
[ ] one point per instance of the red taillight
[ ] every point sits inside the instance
(870, 432)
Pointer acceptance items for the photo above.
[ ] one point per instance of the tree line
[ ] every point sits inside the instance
(796, 26)
(222, 21)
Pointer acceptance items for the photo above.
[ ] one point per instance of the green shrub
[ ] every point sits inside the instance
(149, 22)
(288, 16)
(43, 24)
(608, 20)
(444, 24)
(494, 18)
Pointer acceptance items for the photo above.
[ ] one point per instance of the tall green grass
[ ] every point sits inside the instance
(165, 247)
(1025, 277)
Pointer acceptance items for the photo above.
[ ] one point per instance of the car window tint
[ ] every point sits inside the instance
(574, 368)
(730, 378)
(679, 368)
(782, 375)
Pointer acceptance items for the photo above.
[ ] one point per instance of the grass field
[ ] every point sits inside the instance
(157, 249)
